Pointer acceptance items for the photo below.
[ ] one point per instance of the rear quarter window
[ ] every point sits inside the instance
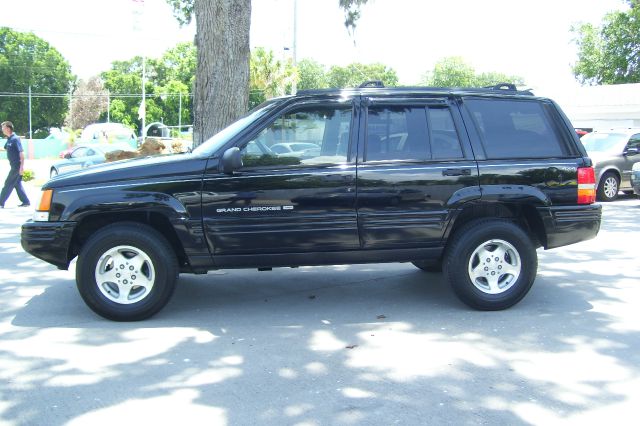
(515, 129)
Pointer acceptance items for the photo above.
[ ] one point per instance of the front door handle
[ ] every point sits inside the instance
(456, 172)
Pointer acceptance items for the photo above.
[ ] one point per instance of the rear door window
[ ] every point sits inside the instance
(417, 133)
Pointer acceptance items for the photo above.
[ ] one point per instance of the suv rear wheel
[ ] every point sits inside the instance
(491, 264)
(609, 186)
(126, 272)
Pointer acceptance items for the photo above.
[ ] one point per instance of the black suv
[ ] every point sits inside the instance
(469, 181)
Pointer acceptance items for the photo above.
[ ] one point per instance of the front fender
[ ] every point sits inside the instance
(78, 208)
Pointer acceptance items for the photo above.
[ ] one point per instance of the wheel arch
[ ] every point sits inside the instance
(524, 215)
(159, 222)
(609, 169)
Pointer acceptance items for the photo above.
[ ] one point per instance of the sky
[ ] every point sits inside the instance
(529, 39)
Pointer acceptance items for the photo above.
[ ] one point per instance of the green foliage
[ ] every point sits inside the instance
(171, 103)
(27, 175)
(176, 64)
(168, 77)
(182, 10)
(610, 54)
(28, 61)
(454, 71)
(355, 74)
(311, 75)
(268, 76)
(40, 133)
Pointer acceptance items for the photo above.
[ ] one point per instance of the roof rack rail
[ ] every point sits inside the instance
(503, 86)
(372, 83)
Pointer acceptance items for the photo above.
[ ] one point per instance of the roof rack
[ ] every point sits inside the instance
(497, 89)
(502, 86)
(371, 83)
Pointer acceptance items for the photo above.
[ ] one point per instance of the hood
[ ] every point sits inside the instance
(172, 166)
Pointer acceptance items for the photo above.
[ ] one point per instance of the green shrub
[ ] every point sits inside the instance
(28, 175)
(40, 134)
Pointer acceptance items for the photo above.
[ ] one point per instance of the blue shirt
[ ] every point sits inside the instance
(14, 148)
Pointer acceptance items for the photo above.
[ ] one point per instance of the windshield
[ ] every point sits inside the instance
(603, 142)
(222, 137)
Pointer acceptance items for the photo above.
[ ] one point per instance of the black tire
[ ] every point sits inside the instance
(608, 187)
(434, 266)
(506, 271)
(141, 261)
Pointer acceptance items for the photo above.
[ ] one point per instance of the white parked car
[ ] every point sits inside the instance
(108, 133)
(296, 149)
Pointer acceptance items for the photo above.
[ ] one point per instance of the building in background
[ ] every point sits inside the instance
(602, 107)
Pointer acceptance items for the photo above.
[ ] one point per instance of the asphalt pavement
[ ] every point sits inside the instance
(355, 345)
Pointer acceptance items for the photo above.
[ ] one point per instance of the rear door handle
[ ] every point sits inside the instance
(456, 172)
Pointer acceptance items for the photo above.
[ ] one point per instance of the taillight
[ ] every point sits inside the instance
(586, 185)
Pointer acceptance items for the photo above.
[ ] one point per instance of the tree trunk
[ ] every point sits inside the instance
(221, 92)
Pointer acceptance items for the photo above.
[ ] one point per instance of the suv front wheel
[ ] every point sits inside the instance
(126, 272)
(491, 264)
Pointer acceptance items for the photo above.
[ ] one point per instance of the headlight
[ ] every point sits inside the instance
(636, 167)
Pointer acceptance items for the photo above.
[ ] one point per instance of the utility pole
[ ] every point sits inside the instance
(71, 109)
(139, 26)
(143, 106)
(30, 132)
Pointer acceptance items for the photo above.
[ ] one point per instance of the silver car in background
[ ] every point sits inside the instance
(635, 178)
(613, 153)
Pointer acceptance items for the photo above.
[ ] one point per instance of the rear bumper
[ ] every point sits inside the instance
(48, 241)
(571, 224)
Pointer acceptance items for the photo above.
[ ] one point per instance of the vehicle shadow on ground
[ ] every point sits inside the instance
(335, 345)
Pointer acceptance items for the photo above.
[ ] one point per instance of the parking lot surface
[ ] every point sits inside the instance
(355, 345)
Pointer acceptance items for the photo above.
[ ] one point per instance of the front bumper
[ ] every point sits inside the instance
(570, 224)
(48, 241)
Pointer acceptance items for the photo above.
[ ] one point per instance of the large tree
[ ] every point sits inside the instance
(221, 92)
(27, 61)
(610, 54)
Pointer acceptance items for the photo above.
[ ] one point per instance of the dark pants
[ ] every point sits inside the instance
(14, 180)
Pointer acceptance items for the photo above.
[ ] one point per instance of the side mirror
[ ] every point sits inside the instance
(67, 155)
(231, 160)
(631, 151)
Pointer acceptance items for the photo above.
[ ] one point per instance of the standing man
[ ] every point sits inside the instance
(15, 155)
